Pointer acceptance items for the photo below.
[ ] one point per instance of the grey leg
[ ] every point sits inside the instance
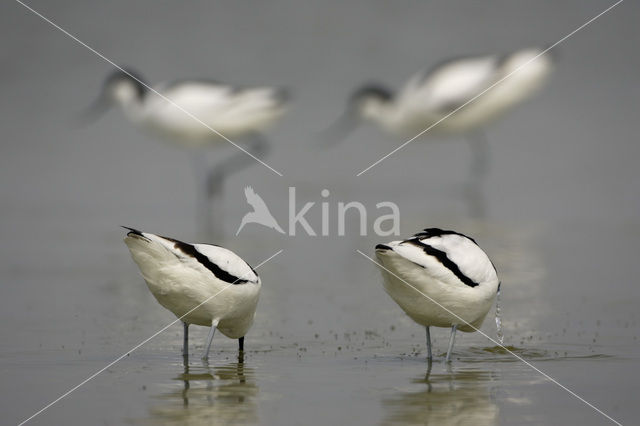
(205, 355)
(429, 357)
(203, 200)
(451, 340)
(257, 146)
(185, 341)
(479, 145)
(215, 178)
(479, 169)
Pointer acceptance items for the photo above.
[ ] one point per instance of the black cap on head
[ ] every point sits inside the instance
(372, 90)
(127, 74)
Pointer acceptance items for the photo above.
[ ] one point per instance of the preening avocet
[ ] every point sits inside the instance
(431, 95)
(233, 112)
(201, 284)
(457, 279)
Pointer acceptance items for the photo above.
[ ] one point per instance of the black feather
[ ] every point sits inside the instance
(437, 232)
(445, 261)
(129, 75)
(218, 272)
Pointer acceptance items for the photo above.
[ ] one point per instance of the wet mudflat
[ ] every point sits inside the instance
(314, 356)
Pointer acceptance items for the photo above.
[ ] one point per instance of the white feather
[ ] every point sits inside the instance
(480, 89)
(429, 292)
(180, 283)
(218, 109)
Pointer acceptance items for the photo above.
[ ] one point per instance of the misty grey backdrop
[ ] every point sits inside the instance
(328, 345)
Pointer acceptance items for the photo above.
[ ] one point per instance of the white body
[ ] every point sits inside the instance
(409, 264)
(180, 282)
(430, 96)
(230, 111)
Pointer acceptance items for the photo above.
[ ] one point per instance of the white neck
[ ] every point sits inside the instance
(384, 113)
(126, 96)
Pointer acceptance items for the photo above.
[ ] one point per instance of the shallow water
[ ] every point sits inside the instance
(328, 346)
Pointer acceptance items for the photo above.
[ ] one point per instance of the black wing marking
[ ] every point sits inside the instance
(217, 271)
(444, 260)
(437, 232)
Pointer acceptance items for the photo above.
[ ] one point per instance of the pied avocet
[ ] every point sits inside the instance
(443, 97)
(195, 114)
(201, 284)
(439, 278)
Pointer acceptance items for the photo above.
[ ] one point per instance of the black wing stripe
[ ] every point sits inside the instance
(437, 232)
(219, 273)
(444, 260)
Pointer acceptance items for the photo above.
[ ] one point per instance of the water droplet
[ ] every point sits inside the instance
(499, 333)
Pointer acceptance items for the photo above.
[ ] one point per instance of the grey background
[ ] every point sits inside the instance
(328, 346)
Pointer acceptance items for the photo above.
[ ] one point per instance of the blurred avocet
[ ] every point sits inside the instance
(430, 96)
(201, 284)
(228, 110)
(221, 112)
(457, 280)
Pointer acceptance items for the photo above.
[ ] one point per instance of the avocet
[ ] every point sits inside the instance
(201, 284)
(439, 278)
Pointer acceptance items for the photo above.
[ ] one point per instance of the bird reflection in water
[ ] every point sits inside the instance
(455, 397)
(210, 394)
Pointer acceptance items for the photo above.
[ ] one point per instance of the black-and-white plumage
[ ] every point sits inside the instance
(195, 114)
(429, 96)
(201, 284)
(458, 96)
(230, 111)
(457, 279)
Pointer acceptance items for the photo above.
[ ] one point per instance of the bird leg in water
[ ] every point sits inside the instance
(426, 377)
(241, 344)
(185, 341)
(452, 338)
(257, 146)
(429, 357)
(207, 347)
